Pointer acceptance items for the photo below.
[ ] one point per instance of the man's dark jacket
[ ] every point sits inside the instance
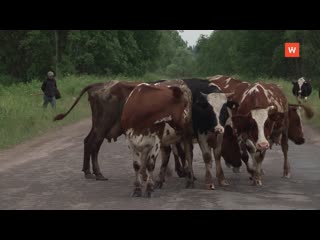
(49, 87)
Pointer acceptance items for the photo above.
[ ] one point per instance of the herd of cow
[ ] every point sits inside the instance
(233, 118)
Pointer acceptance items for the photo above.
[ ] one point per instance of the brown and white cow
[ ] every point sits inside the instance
(294, 131)
(106, 102)
(260, 120)
(153, 118)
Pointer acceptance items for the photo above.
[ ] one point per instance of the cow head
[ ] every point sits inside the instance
(222, 106)
(301, 89)
(257, 125)
(295, 132)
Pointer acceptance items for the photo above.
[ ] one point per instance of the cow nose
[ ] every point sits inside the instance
(218, 130)
(263, 146)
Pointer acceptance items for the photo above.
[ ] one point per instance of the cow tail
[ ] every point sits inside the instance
(63, 115)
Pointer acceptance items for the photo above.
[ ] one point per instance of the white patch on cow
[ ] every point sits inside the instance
(228, 80)
(300, 82)
(268, 94)
(214, 85)
(140, 143)
(215, 77)
(169, 135)
(157, 84)
(226, 86)
(217, 100)
(260, 116)
(141, 84)
(165, 119)
(250, 91)
(185, 113)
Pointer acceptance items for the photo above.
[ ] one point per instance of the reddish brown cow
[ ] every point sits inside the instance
(262, 116)
(154, 117)
(293, 127)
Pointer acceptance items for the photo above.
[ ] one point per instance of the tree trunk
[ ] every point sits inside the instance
(57, 49)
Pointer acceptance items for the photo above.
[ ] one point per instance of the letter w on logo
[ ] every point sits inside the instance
(292, 50)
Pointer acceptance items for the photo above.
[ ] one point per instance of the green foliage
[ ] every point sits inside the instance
(29, 54)
(255, 53)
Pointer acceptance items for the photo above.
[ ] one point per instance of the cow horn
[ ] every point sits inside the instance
(205, 95)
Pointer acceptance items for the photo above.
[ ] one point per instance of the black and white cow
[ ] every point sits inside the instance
(301, 89)
(211, 110)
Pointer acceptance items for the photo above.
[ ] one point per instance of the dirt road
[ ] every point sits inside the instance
(45, 173)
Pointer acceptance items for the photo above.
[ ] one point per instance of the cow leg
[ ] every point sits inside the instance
(165, 156)
(95, 163)
(188, 146)
(137, 192)
(179, 155)
(217, 156)
(207, 157)
(257, 160)
(86, 156)
(245, 158)
(150, 164)
(286, 164)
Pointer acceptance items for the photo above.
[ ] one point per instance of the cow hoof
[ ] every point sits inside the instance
(158, 184)
(210, 186)
(89, 176)
(147, 194)
(257, 183)
(137, 192)
(224, 183)
(286, 175)
(100, 177)
(181, 173)
(236, 170)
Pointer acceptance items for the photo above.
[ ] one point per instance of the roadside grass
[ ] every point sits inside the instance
(22, 116)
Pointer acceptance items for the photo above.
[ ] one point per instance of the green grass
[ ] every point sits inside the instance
(22, 116)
